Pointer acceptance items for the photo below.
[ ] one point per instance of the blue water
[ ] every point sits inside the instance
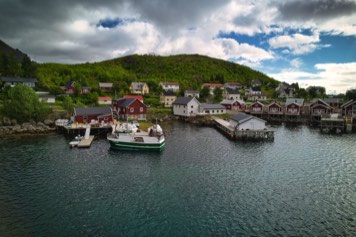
(202, 184)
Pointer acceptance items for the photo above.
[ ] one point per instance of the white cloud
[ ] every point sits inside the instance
(296, 63)
(336, 77)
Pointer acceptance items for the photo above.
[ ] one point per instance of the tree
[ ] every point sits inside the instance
(204, 93)
(28, 68)
(351, 94)
(218, 94)
(22, 103)
(68, 104)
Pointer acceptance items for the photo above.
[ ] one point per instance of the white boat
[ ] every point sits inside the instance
(126, 128)
(74, 143)
(152, 140)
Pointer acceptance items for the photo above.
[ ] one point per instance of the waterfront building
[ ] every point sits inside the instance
(89, 114)
(167, 98)
(256, 108)
(212, 109)
(335, 104)
(139, 88)
(275, 111)
(238, 105)
(293, 109)
(349, 108)
(129, 109)
(244, 121)
(186, 106)
(170, 86)
(319, 108)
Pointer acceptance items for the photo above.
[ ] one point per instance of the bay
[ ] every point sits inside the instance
(202, 184)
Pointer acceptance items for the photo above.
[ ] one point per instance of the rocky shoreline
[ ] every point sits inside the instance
(11, 127)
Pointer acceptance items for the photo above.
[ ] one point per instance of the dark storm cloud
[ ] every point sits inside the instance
(316, 9)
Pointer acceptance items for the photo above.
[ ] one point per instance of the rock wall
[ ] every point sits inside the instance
(8, 127)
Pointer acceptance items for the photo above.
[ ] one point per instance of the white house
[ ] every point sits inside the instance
(244, 121)
(231, 94)
(189, 93)
(169, 86)
(212, 109)
(186, 106)
(104, 100)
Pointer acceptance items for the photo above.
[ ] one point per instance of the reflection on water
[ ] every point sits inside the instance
(202, 184)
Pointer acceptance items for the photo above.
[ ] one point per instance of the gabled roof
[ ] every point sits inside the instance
(232, 91)
(297, 101)
(241, 118)
(104, 98)
(139, 97)
(226, 102)
(213, 85)
(350, 102)
(92, 111)
(256, 88)
(191, 92)
(105, 84)
(211, 106)
(169, 83)
(257, 102)
(169, 93)
(321, 102)
(232, 84)
(182, 100)
(18, 79)
(122, 102)
(138, 85)
(275, 103)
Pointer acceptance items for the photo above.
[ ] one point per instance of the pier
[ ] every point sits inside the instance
(86, 142)
(333, 123)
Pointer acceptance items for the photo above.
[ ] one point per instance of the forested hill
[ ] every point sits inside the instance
(6, 49)
(189, 70)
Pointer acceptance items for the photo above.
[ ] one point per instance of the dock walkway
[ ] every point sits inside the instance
(85, 143)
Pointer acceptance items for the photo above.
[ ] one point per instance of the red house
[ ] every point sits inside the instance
(349, 108)
(319, 107)
(275, 108)
(294, 106)
(130, 108)
(139, 97)
(69, 87)
(87, 115)
(238, 105)
(256, 108)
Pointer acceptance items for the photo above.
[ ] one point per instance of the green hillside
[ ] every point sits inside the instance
(189, 70)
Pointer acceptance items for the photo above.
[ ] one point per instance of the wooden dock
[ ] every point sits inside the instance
(85, 143)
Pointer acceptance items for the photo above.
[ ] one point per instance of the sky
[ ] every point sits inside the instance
(312, 42)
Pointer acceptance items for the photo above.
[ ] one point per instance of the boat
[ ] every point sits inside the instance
(152, 140)
(76, 141)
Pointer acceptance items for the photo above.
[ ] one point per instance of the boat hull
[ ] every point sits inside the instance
(125, 143)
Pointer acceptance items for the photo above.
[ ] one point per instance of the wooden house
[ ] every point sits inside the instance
(104, 100)
(232, 85)
(12, 81)
(69, 87)
(237, 105)
(212, 109)
(167, 98)
(242, 121)
(45, 97)
(186, 106)
(293, 109)
(349, 108)
(98, 114)
(170, 86)
(256, 108)
(190, 93)
(319, 108)
(139, 88)
(335, 104)
(231, 94)
(129, 109)
(275, 111)
(105, 86)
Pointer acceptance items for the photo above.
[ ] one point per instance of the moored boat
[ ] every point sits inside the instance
(153, 140)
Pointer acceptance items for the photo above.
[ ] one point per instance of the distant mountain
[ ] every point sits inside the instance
(6, 49)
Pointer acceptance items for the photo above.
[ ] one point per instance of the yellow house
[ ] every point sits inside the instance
(167, 98)
(140, 88)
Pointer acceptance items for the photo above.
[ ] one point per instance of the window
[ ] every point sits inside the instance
(131, 110)
(141, 109)
(192, 106)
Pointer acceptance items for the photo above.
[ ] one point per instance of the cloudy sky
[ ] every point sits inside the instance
(312, 42)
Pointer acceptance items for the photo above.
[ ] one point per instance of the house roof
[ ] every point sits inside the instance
(18, 79)
(348, 103)
(104, 98)
(231, 102)
(319, 100)
(92, 111)
(139, 97)
(242, 118)
(297, 101)
(182, 100)
(211, 106)
(124, 102)
(256, 88)
(191, 92)
(232, 91)
(232, 84)
(275, 103)
(169, 93)
(105, 84)
(213, 85)
(138, 85)
(169, 83)
(257, 102)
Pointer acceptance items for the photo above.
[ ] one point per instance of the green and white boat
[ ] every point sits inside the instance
(153, 140)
